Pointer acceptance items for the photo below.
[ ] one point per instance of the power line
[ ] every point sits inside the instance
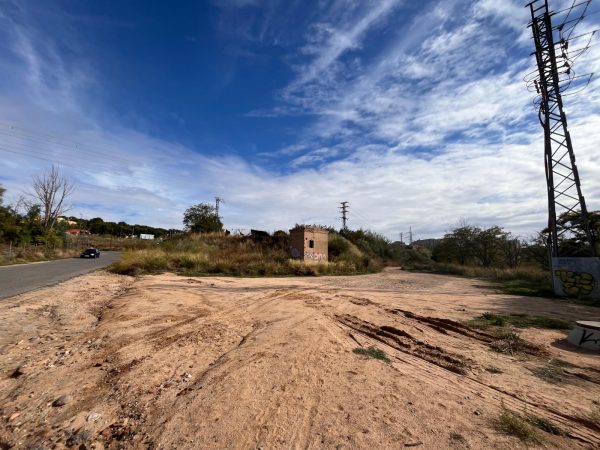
(45, 138)
(373, 227)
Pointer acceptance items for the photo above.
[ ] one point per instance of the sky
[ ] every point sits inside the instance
(416, 113)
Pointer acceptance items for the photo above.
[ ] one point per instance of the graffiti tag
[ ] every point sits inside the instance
(575, 283)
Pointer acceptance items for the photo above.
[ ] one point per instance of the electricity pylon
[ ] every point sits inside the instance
(554, 74)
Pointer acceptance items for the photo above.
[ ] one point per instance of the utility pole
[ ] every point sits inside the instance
(344, 210)
(410, 236)
(401, 238)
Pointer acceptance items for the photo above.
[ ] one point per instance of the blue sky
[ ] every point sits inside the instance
(414, 112)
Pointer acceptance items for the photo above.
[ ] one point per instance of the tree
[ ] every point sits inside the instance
(513, 251)
(50, 191)
(457, 246)
(202, 218)
(488, 244)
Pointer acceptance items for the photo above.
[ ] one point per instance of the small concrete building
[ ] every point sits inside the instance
(309, 243)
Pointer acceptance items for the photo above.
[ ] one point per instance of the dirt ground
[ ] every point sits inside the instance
(108, 361)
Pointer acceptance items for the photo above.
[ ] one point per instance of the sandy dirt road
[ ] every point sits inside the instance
(174, 362)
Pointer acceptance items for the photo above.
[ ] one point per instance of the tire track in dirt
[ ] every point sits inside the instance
(446, 325)
(432, 372)
(402, 341)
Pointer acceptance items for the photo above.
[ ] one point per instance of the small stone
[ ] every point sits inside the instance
(477, 412)
(93, 417)
(62, 400)
(13, 416)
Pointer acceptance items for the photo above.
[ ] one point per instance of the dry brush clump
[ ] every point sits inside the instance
(31, 253)
(219, 254)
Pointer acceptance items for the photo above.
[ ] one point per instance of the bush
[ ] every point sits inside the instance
(512, 424)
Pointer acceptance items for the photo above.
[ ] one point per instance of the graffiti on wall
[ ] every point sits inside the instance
(314, 256)
(308, 256)
(576, 283)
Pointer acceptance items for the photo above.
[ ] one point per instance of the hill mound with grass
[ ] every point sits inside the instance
(219, 254)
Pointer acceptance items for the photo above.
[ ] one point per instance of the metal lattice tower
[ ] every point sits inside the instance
(344, 211)
(554, 74)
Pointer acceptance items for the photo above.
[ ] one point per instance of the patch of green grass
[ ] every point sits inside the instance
(372, 352)
(527, 288)
(515, 425)
(489, 319)
(494, 369)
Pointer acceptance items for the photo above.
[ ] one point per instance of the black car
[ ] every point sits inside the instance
(90, 253)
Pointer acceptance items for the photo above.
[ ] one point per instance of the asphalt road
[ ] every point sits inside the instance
(27, 277)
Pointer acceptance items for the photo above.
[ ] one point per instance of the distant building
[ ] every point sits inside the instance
(309, 243)
(67, 221)
(148, 237)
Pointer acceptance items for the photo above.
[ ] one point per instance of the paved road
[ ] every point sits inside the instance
(27, 277)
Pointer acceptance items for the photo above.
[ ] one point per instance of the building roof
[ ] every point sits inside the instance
(309, 228)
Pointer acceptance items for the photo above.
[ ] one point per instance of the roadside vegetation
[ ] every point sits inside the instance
(220, 254)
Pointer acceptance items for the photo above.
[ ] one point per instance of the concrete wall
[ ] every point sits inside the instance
(300, 240)
(576, 277)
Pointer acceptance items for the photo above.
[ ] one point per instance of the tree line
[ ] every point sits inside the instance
(39, 216)
(495, 247)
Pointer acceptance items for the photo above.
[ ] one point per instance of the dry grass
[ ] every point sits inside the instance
(70, 248)
(22, 255)
(526, 280)
(211, 254)
(512, 343)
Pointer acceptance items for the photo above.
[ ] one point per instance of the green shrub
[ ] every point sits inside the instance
(515, 425)
(372, 352)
